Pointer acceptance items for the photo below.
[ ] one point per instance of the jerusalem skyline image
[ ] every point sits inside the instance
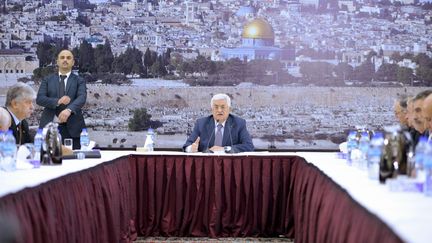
(302, 73)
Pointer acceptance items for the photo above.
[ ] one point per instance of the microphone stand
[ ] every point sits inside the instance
(207, 150)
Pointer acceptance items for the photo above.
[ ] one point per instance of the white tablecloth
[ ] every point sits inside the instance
(409, 214)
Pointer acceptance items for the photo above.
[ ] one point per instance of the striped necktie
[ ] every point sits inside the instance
(218, 137)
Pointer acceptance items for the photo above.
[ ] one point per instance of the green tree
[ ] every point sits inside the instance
(316, 72)
(44, 52)
(423, 60)
(41, 72)
(185, 68)
(136, 61)
(233, 70)
(202, 65)
(344, 71)
(162, 67)
(364, 72)
(424, 74)
(405, 75)
(387, 72)
(86, 61)
(155, 68)
(140, 121)
(148, 61)
(103, 58)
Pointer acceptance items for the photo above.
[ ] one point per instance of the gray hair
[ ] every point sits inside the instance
(19, 91)
(422, 95)
(220, 97)
(403, 101)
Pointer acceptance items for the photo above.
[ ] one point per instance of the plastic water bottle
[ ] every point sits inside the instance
(422, 152)
(38, 140)
(149, 142)
(9, 152)
(374, 155)
(1, 149)
(363, 147)
(424, 173)
(427, 186)
(84, 139)
(351, 145)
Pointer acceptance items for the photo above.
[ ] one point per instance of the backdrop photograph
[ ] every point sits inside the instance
(302, 73)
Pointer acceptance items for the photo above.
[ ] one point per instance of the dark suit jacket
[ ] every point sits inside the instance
(47, 97)
(25, 134)
(235, 134)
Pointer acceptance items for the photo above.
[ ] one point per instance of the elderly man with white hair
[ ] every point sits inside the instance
(220, 131)
(19, 103)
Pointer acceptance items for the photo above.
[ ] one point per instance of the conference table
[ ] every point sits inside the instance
(307, 196)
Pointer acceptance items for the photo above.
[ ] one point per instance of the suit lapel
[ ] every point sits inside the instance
(69, 83)
(227, 130)
(211, 131)
(13, 126)
(55, 84)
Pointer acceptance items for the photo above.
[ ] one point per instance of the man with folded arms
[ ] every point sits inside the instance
(220, 131)
(63, 95)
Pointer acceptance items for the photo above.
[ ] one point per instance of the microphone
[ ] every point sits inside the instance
(232, 151)
(207, 150)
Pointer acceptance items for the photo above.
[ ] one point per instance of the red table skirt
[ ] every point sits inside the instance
(162, 195)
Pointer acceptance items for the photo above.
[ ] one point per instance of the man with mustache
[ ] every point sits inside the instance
(221, 131)
(417, 119)
(63, 95)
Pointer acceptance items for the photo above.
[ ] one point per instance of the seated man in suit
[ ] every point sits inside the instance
(63, 95)
(427, 114)
(5, 120)
(19, 103)
(400, 110)
(221, 131)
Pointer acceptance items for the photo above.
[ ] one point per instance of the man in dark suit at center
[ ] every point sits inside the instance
(63, 95)
(219, 132)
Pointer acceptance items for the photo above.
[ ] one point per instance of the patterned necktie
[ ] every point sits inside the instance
(62, 86)
(218, 137)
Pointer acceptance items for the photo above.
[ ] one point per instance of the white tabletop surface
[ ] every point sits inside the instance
(408, 214)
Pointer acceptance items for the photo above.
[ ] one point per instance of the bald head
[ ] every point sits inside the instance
(5, 119)
(427, 112)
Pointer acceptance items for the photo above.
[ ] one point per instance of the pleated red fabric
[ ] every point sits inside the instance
(187, 195)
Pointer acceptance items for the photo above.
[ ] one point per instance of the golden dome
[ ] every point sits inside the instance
(258, 29)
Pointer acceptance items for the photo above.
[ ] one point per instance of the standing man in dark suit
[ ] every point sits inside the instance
(19, 104)
(219, 132)
(63, 95)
